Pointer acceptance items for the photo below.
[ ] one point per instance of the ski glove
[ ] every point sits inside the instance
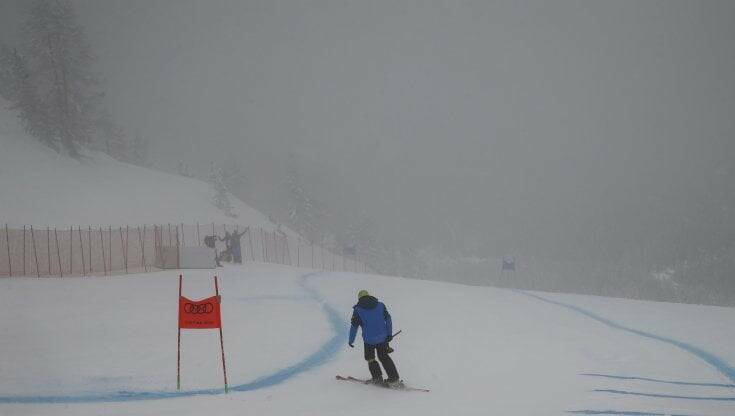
(389, 338)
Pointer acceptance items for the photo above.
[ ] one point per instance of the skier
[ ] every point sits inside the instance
(377, 330)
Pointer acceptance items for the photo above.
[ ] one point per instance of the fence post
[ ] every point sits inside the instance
(178, 249)
(48, 249)
(109, 249)
(122, 248)
(58, 253)
(81, 249)
(183, 235)
(288, 249)
(262, 244)
(24, 250)
(35, 252)
(275, 247)
(127, 249)
(7, 240)
(89, 241)
(102, 249)
(141, 242)
(71, 250)
(199, 241)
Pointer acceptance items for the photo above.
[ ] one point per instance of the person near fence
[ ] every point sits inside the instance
(226, 254)
(235, 247)
(377, 328)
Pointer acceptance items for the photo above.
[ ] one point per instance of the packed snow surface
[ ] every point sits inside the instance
(107, 345)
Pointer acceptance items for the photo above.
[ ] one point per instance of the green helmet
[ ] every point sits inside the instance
(362, 293)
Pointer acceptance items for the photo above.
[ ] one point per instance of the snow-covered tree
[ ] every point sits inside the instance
(58, 62)
(303, 210)
(360, 235)
(221, 197)
(233, 175)
(139, 150)
(110, 137)
(17, 86)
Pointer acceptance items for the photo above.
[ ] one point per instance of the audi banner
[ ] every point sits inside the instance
(199, 314)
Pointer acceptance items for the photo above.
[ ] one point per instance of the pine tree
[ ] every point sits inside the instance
(111, 138)
(138, 150)
(59, 63)
(360, 235)
(16, 86)
(302, 209)
(221, 199)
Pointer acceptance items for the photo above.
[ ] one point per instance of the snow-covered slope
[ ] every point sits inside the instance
(91, 346)
(40, 187)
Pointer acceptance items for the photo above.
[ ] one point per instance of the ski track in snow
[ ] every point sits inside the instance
(325, 353)
(719, 364)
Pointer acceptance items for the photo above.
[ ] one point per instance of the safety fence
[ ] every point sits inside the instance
(107, 250)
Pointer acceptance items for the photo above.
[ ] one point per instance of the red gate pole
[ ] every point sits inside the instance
(178, 348)
(221, 342)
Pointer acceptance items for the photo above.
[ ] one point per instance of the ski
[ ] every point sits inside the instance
(367, 382)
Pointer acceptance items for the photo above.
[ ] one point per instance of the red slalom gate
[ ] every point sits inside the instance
(200, 314)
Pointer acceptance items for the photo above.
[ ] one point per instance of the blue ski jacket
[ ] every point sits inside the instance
(373, 317)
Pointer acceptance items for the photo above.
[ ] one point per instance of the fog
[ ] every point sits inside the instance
(566, 130)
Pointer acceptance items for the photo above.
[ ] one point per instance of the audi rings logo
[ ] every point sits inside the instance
(198, 309)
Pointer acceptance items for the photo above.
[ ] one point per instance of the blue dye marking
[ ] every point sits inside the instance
(665, 396)
(655, 380)
(325, 353)
(711, 359)
(621, 412)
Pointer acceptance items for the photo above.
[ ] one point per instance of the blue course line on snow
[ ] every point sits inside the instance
(621, 412)
(325, 353)
(665, 396)
(655, 380)
(711, 359)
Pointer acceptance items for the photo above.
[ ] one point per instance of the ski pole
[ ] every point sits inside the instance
(399, 331)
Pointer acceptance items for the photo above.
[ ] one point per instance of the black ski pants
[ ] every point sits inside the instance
(384, 358)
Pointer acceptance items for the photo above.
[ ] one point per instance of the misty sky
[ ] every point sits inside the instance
(509, 122)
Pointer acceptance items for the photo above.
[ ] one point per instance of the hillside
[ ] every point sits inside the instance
(41, 187)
